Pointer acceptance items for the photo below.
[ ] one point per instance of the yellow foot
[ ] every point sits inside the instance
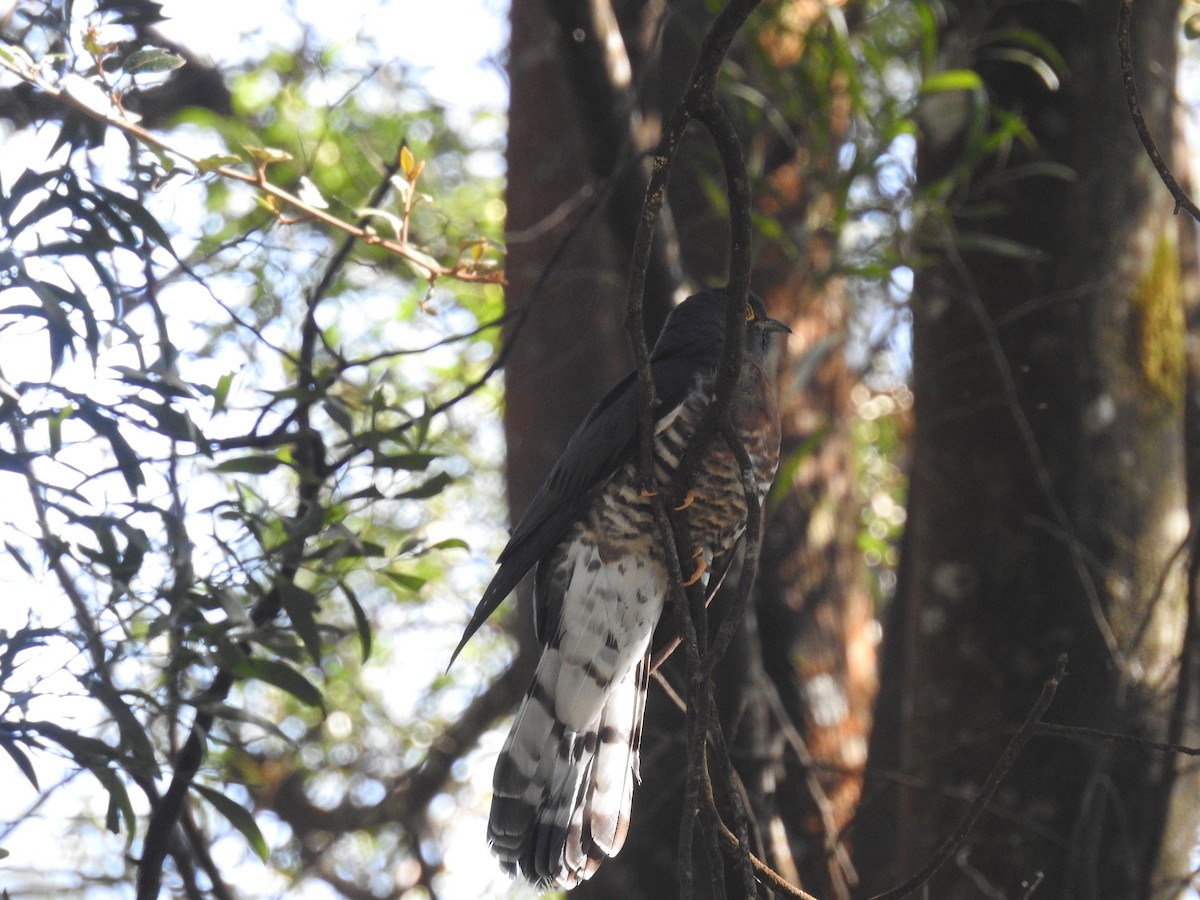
(687, 501)
(647, 493)
(701, 568)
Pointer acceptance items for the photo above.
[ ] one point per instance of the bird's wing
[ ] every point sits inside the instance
(599, 446)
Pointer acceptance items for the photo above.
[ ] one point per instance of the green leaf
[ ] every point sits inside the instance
(239, 817)
(405, 580)
(428, 488)
(361, 623)
(151, 59)
(221, 392)
(282, 676)
(450, 544)
(55, 425)
(300, 606)
(15, 55)
(217, 161)
(258, 464)
(409, 462)
(952, 80)
(268, 155)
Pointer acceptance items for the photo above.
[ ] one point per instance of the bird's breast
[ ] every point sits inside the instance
(622, 518)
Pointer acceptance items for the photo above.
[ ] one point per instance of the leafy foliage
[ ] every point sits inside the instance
(235, 358)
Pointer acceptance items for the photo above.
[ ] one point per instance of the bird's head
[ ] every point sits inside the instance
(696, 327)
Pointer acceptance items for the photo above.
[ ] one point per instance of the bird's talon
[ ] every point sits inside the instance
(687, 501)
(647, 493)
(701, 568)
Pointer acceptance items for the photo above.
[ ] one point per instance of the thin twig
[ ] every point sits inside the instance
(955, 839)
(763, 873)
(429, 268)
(1051, 728)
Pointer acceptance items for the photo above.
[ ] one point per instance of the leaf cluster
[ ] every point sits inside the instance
(224, 426)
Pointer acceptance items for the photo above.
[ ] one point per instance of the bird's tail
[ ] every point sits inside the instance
(561, 797)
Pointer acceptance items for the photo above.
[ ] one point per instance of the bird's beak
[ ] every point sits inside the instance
(768, 324)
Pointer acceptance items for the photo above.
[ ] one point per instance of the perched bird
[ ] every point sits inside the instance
(564, 781)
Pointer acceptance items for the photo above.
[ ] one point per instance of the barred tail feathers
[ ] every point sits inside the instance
(562, 797)
(564, 780)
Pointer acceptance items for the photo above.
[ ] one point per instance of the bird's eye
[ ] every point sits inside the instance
(750, 317)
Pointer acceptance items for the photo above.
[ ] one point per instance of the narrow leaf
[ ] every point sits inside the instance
(258, 464)
(283, 677)
(301, 605)
(428, 488)
(21, 758)
(952, 80)
(361, 623)
(239, 817)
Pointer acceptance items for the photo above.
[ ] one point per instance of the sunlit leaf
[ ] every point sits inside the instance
(267, 155)
(310, 194)
(216, 161)
(450, 544)
(405, 581)
(952, 80)
(151, 59)
(221, 392)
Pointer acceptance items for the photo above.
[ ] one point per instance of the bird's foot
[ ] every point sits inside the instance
(701, 568)
(646, 493)
(687, 501)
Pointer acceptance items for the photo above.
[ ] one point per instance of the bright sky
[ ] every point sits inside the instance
(457, 43)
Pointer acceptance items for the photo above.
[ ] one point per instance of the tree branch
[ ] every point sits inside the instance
(698, 102)
(1182, 200)
(955, 840)
(429, 268)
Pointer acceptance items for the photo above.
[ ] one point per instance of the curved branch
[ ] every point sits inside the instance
(698, 102)
(1182, 200)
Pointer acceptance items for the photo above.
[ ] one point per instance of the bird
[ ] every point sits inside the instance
(563, 785)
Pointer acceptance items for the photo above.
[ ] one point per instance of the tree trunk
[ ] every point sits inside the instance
(1048, 485)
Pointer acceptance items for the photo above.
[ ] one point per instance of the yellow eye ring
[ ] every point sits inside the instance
(750, 317)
